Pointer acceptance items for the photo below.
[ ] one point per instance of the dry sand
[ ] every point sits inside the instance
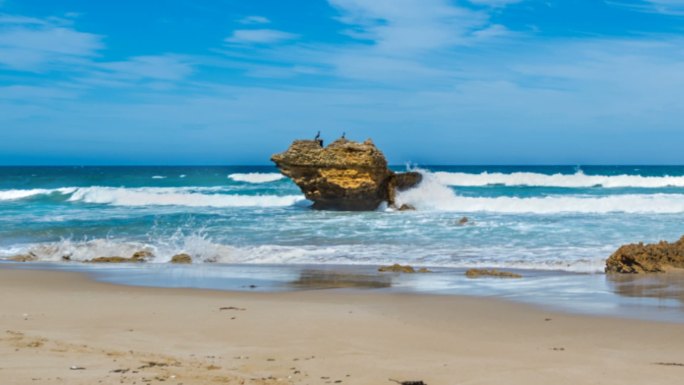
(53, 321)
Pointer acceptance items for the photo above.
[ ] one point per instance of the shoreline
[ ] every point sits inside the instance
(55, 320)
(651, 297)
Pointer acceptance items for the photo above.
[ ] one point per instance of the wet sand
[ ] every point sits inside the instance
(63, 328)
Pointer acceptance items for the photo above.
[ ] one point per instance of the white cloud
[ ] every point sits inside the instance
(30, 44)
(259, 36)
(669, 7)
(493, 31)
(169, 68)
(52, 44)
(407, 26)
(404, 42)
(495, 3)
(6, 20)
(34, 93)
(254, 20)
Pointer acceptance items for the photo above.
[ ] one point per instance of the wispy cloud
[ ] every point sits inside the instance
(259, 36)
(668, 7)
(495, 3)
(165, 67)
(248, 20)
(38, 45)
(30, 44)
(407, 26)
(407, 41)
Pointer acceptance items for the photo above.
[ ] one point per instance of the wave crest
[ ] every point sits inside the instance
(159, 196)
(433, 194)
(10, 195)
(576, 180)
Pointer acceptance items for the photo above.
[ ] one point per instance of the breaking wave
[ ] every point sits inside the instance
(434, 194)
(176, 197)
(156, 196)
(576, 180)
(203, 249)
(256, 177)
(10, 195)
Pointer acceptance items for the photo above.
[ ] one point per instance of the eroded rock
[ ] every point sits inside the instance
(647, 258)
(479, 273)
(345, 175)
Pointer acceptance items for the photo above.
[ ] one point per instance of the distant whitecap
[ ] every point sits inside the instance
(256, 177)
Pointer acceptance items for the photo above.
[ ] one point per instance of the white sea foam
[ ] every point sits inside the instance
(433, 194)
(204, 250)
(576, 180)
(158, 196)
(200, 248)
(158, 177)
(8, 195)
(256, 177)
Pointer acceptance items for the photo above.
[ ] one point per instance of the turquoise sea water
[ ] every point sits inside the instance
(541, 218)
(250, 228)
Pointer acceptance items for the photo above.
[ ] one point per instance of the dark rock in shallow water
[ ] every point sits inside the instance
(406, 207)
(479, 273)
(650, 258)
(181, 258)
(346, 175)
(397, 268)
(137, 257)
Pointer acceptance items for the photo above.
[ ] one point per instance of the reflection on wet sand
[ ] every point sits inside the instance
(326, 279)
(662, 286)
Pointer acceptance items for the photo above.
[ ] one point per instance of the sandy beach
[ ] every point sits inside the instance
(63, 328)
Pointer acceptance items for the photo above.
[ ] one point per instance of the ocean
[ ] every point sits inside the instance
(541, 218)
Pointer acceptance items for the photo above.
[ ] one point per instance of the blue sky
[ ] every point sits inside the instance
(431, 81)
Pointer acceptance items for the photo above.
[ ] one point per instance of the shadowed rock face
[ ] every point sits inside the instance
(346, 175)
(650, 258)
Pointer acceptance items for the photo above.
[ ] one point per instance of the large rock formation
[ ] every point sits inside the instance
(346, 175)
(650, 258)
